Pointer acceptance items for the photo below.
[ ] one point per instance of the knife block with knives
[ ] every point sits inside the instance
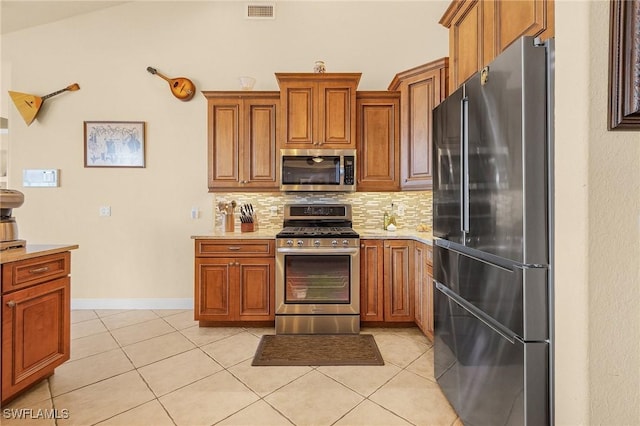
(247, 218)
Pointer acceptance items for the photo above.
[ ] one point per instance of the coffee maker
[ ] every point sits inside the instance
(9, 200)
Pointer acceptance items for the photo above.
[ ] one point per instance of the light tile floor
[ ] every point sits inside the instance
(143, 367)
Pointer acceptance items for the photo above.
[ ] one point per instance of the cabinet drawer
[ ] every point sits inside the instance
(234, 248)
(28, 272)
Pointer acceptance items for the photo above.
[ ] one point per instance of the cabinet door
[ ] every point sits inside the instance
(298, 122)
(35, 334)
(256, 289)
(259, 143)
(399, 281)
(371, 280)
(514, 19)
(215, 289)
(224, 143)
(336, 114)
(378, 141)
(421, 88)
(419, 275)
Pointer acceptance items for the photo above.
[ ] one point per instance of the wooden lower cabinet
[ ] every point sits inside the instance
(371, 281)
(36, 321)
(386, 281)
(423, 284)
(238, 288)
(396, 283)
(399, 279)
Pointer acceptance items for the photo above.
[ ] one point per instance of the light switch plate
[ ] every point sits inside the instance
(44, 178)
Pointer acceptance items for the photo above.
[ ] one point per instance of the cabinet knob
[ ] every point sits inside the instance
(230, 263)
(361, 245)
(237, 263)
(11, 303)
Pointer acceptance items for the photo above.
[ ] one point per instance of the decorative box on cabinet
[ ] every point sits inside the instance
(378, 141)
(318, 110)
(36, 324)
(234, 281)
(479, 30)
(242, 141)
(421, 89)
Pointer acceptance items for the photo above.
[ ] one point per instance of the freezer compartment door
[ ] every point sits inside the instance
(515, 296)
(489, 377)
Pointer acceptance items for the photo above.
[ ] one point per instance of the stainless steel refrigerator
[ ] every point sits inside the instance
(492, 217)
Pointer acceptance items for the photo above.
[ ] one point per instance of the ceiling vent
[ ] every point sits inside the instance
(261, 11)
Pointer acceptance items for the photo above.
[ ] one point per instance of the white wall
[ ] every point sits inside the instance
(597, 232)
(144, 249)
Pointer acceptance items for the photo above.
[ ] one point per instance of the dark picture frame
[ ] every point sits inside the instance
(624, 65)
(114, 144)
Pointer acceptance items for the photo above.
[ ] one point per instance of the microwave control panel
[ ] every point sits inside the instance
(349, 170)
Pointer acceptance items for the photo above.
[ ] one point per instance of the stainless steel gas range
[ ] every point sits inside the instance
(317, 271)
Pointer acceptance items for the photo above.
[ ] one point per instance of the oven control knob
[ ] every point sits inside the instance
(334, 243)
(289, 243)
(300, 243)
(345, 242)
(316, 243)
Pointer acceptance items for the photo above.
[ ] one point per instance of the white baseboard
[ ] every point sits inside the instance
(132, 303)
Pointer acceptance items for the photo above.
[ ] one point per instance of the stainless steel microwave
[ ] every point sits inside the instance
(318, 170)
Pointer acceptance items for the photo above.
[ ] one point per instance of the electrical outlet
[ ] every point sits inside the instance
(195, 213)
(273, 210)
(105, 211)
(400, 209)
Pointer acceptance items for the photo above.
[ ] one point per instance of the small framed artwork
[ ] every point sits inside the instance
(114, 143)
(624, 65)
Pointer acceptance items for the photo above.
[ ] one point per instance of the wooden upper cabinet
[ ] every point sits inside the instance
(242, 140)
(378, 141)
(318, 110)
(479, 30)
(421, 89)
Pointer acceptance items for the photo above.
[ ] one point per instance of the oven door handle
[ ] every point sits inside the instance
(317, 250)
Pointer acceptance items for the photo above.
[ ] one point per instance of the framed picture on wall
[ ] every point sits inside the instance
(114, 143)
(624, 65)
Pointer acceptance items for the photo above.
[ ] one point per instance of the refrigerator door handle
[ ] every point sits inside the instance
(464, 165)
(501, 330)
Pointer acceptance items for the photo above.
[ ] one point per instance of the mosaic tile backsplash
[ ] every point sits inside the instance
(411, 208)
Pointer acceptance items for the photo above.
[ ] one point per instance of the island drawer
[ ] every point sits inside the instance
(234, 248)
(24, 273)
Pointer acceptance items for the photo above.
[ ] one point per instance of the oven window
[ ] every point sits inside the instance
(301, 170)
(317, 279)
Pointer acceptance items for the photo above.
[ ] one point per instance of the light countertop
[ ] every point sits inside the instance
(399, 234)
(34, 250)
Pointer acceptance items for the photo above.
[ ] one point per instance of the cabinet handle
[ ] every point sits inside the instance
(11, 303)
(39, 270)
(234, 248)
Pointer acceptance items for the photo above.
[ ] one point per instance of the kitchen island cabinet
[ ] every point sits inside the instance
(35, 313)
(234, 281)
(479, 30)
(242, 138)
(421, 89)
(378, 141)
(318, 110)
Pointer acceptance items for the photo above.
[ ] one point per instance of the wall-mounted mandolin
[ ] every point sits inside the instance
(182, 88)
(29, 105)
